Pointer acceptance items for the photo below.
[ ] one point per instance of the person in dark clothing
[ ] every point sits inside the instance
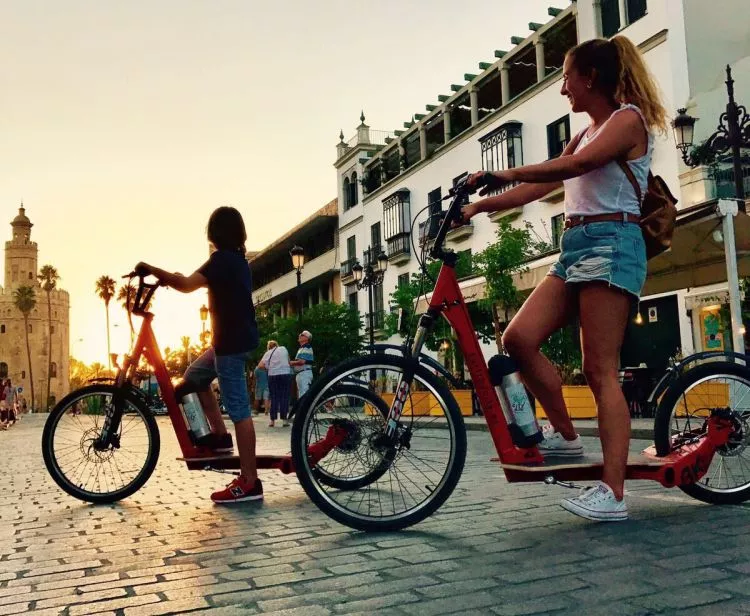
(234, 334)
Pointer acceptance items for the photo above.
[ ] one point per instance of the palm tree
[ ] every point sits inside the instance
(48, 278)
(186, 346)
(105, 289)
(126, 295)
(25, 300)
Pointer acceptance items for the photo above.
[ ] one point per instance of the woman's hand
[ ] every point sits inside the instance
(489, 180)
(467, 213)
(143, 269)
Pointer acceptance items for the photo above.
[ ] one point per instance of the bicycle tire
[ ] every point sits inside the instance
(663, 422)
(366, 479)
(62, 480)
(449, 479)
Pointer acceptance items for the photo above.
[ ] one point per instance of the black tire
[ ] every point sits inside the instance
(379, 470)
(445, 483)
(135, 406)
(664, 430)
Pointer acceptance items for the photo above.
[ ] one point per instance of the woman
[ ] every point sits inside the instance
(276, 362)
(602, 264)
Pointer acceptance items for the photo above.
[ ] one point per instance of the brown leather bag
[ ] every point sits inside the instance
(658, 211)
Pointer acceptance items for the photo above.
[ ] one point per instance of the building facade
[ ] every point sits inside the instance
(510, 112)
(21, 268)
(274, 277)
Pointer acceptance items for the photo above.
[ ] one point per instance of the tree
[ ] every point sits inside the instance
(126, 295)
(25, 300)
(405, 297)
(335, 329)
(48, 278)
(499, 262)
(186, 348)
(105, 289)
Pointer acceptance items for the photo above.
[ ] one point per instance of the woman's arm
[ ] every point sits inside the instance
(622, 132)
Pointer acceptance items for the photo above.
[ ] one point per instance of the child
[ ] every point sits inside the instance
(234, 335)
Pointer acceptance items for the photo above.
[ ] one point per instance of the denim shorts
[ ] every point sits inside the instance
(608, 251)
(230, 369)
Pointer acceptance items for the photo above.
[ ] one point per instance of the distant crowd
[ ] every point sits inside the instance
(12, 404)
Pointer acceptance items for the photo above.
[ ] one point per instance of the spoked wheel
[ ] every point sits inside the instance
(372, 482)
(83, 468)
(682, 418)
(358, 461)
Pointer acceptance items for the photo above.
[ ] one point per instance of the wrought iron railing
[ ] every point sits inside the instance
(346, 267)
(398, 245)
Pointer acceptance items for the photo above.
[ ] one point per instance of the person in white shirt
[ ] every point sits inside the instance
(276, 362)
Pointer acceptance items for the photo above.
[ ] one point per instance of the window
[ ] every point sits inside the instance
(23, 374)
(14, 273)
(558, 136)
(429, 228)
(51, 329)
(397, 221)
(375, 240)
(31, 276)
(377, 307)
(556, 225)
(502, 149)
(31, 328)
(351, 296)
(2, 329)
(53, 370)
(613, 20)
(354, 188)
(402, 281)
(351, 247)
(346, 194)
(3, 370)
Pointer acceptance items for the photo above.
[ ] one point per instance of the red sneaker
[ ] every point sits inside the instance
(239, 490)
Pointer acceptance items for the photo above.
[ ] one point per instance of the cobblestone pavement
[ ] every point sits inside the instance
(491, 549)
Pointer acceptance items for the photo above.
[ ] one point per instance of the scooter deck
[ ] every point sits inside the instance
(232, 462)
(587, 467)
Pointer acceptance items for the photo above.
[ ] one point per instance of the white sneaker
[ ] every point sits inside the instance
(597, 503)
(553, 444)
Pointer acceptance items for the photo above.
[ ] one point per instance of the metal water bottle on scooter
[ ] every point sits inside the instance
(192, 409)
(522, 423)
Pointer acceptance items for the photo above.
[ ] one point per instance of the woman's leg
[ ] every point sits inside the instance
(285, 395)
(550, 306)
(604, 314)
(272, 388)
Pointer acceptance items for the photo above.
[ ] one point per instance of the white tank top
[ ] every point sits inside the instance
(607, 190)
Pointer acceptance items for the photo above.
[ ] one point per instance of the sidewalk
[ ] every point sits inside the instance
(641, 428)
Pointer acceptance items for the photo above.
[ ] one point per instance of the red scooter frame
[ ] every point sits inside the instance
(194, 456)
(681, 467)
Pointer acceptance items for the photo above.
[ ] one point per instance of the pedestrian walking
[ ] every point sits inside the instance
(602, 265)
(276, 362)
(303, 363)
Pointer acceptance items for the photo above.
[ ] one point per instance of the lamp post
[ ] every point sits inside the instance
(298, 262)
(371, 276)
(204, 316)
(732, 134)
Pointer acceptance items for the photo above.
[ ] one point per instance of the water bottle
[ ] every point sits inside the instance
(524, 429)
(192, 409)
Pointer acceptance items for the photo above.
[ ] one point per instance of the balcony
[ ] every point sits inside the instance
(399, 248)
(459, 234)
(346, 269)
(704, 183)
(370, 256)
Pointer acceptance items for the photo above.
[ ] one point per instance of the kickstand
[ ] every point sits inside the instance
(221, 470)
(551, 480)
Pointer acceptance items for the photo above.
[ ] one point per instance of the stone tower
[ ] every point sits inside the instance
(20, 253)
(21, 270)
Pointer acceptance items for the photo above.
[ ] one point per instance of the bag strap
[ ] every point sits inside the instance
(631, 176)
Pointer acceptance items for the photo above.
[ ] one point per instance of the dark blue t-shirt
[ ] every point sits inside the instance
(230, 301)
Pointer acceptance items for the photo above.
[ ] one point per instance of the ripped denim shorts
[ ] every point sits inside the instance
(609, 251)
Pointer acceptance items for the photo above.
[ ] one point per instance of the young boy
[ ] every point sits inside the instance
(234, 335)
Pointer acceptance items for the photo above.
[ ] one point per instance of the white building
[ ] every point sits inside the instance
(510, 112)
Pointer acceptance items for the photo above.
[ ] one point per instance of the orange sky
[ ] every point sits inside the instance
(125, 124)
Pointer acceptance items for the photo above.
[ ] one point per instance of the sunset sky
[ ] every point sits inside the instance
(124, 124)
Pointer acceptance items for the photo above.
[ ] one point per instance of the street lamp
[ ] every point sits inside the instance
(298, 262)
(371, 275)
(204, 316)
(732, 134)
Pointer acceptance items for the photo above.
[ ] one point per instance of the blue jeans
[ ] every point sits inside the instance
(608, 251)
(281, 391)
(230, 369)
